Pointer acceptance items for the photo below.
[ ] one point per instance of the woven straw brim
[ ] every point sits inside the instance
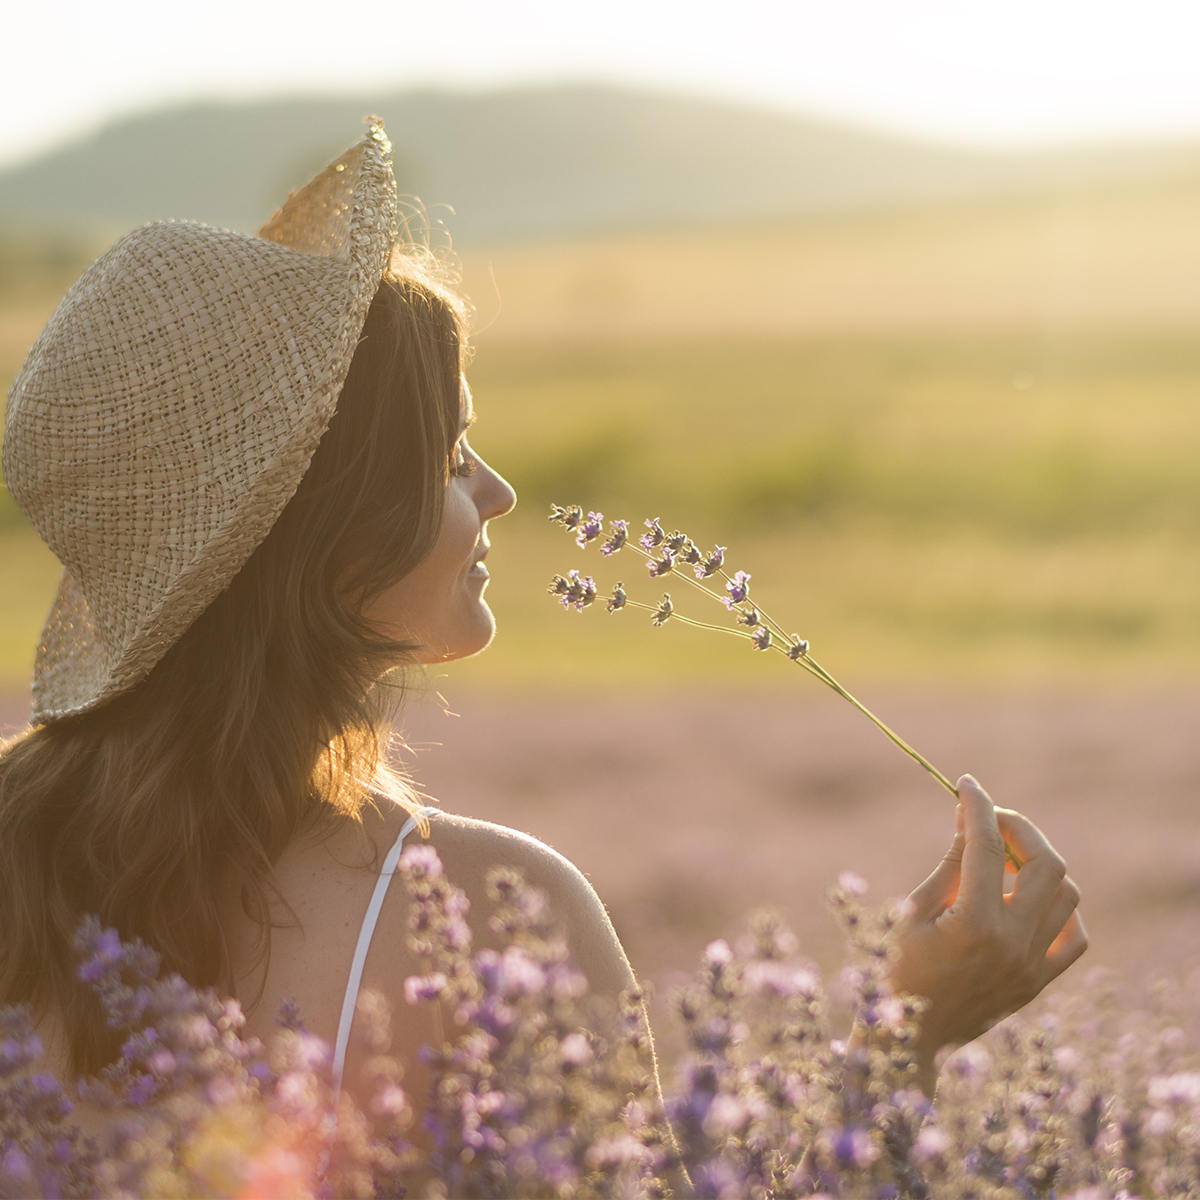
(170, 408)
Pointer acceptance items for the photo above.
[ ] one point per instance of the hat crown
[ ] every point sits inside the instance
(159, 391)
(171, 406)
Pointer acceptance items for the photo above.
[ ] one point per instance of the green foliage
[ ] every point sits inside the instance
(928, 505)
(37, 263)
(1002, 437)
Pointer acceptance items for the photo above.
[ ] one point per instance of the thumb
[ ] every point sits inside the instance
(938, 892)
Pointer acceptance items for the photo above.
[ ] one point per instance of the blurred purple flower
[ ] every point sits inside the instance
(852, 1147)
(418, 988)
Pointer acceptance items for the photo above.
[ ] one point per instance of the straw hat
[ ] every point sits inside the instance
(172, 404)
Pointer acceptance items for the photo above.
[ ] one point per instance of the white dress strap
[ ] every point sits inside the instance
(365, 933)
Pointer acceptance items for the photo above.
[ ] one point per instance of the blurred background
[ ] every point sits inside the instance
(901, 302)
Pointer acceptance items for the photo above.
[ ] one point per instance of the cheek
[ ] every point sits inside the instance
(460, 528)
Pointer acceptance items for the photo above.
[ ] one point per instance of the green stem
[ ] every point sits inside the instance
(810, 665)
(897, 740)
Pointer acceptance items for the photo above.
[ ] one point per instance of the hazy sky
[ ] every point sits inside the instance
(967, 70)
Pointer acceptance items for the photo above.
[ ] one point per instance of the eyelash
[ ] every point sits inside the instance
(463, 465)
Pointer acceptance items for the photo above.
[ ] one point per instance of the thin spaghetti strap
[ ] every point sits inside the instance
(365, 934)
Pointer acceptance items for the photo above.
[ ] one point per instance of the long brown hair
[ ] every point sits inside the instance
(263, 718)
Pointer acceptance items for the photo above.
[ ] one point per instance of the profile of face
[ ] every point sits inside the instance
(440, 604)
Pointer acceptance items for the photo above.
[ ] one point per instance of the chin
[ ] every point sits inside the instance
(474, 642)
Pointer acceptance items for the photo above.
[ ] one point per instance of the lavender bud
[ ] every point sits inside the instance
(618, 599)
(664, 610)
(590, 529)
(738, 588)
(653, 539)
(617, 537)
(798, 648)
(575, 591)
(761, 638)
(712, 564)
(660, 566)
(749, 617)
(676, 542)
(568, 517)
(691, 554)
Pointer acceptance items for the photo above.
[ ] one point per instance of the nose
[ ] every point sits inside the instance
(494, 495)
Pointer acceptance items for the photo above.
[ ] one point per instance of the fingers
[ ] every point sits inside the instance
(1065, 949)
(937, 893)
(982, 884)
(1065, 901)
(1042, 871)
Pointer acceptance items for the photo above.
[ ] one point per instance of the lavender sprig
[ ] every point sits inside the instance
(666, 554)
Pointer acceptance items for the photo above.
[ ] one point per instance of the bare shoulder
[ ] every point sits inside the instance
(470, 849)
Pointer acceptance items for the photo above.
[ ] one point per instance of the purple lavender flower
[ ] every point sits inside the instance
(749, 617)
(419, 988)
(712, 564)
(852, 1147)
(574, 591)
(761, 638)
(653, 539)
(690, 554)
(618, 600)
(104, 952)
(660, 566)
(568, 517)
(852, 883)
(618, 535)
(421, 861)
(664, 610)
(798, 649)
(676, 541)
(738, 588)
(20, 1047)
(590, 529)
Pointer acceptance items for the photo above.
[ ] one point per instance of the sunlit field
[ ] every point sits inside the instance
(984, 516)
(931, 470)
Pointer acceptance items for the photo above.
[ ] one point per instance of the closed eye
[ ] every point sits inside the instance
(464, 463)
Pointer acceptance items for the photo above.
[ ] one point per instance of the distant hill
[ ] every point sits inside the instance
(522, 163)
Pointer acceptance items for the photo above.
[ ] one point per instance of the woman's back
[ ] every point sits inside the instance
(326, 881)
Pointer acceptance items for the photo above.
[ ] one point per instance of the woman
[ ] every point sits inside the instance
(251, 457)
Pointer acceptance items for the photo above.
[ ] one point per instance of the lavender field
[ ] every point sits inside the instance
(688, 809)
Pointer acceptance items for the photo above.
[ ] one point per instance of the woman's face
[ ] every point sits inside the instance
(440, 603)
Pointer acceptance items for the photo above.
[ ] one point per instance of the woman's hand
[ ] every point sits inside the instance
(973, 952)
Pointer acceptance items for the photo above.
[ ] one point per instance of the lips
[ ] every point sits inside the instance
(477, 567)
